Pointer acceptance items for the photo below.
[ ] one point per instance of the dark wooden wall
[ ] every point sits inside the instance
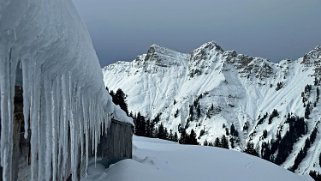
(21, 146)
(117, 145)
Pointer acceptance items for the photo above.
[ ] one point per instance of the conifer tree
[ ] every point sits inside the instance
(166, 135)
(264, 134)
(175, 137)
(265, 151)
(217, 142)
(224, 142)
(183, 138)
(171, 136)
(233, 131)
(250, 149)
(140, 125)
(148, 129)
(161, 134)
(137, 124)
(119, 99)
(313, 134)
(316, 176)
(192, 138)
(143, 125)
(307, 111)
(205, 143)
(232, 142)
(198, 111)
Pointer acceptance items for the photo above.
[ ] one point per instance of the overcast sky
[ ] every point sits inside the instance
(274, 29)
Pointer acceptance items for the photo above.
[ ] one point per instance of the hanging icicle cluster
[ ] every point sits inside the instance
(63, 92)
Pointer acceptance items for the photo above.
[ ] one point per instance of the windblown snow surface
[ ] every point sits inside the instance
(48, 47)
(159, 160)
(226, 88)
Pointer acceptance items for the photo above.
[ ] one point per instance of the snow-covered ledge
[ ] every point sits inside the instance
(63, 89)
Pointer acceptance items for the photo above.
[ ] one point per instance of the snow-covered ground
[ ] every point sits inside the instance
(159, 160)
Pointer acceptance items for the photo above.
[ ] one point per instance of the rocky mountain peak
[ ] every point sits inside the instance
(206, 51)
(313, 57)
(164, 57)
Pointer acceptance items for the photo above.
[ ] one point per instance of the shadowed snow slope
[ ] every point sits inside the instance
(158, 160)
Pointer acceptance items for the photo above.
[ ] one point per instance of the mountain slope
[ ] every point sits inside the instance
(210, 89)
(160, 160)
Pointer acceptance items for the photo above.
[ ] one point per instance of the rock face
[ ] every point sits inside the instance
(211, 90)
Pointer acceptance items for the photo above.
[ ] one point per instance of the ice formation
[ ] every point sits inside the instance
(63, 89)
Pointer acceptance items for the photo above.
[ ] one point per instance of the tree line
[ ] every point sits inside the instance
(152, 128)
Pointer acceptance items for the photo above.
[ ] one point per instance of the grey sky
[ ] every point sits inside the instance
(274, 29)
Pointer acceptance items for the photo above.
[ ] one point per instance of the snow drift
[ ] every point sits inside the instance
(47, 46)
(159, 160)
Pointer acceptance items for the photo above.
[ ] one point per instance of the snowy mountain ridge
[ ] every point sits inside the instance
(210, 89)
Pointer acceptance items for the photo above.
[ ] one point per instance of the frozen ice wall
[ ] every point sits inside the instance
(63, 89)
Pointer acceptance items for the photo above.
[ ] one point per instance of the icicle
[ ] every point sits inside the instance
(73, 132)
(48, 129)
(61, 128)
(85, 113)
(41, 126)
(26, 97)
(80, 120)
(96, 144)
(7, 94)
(34, 121)
(65, 131)
(54, 120)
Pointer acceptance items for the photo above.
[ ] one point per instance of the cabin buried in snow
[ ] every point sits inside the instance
(115, 145)
(55, 111)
